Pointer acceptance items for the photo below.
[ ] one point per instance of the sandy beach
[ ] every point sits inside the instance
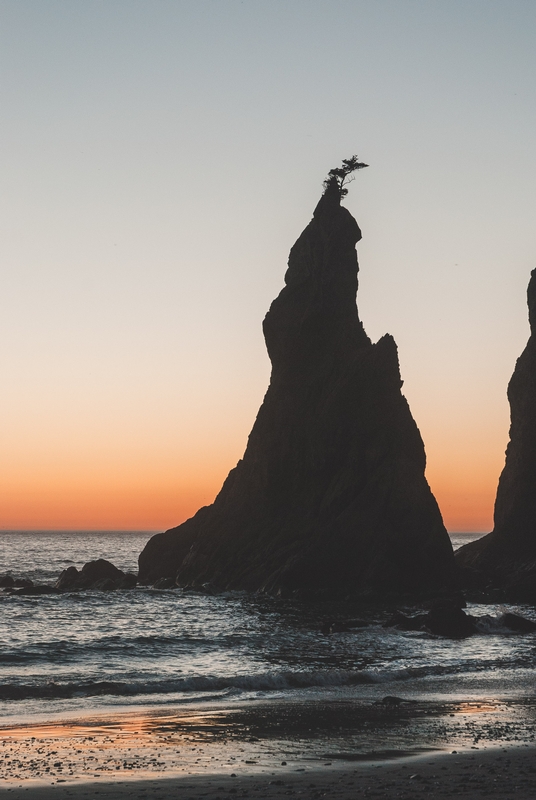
(390, 748)
(496, 773)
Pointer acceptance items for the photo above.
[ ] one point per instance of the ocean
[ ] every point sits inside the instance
(94, 651)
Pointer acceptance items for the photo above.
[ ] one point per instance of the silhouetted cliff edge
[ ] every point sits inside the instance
(505, 559)
(330, 497)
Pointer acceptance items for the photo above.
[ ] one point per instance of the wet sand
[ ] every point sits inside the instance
(392, 748)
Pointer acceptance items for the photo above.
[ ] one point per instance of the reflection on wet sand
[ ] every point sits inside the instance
(476, 708)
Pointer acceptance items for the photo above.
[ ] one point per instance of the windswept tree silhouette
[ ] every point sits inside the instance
(341, 176)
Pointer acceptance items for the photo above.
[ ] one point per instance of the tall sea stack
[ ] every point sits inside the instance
(330, 498)
(505, 559)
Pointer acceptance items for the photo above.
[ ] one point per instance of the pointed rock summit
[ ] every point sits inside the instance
(330, 498)
(505, 559)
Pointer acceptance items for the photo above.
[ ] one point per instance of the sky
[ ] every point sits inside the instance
(159, 159)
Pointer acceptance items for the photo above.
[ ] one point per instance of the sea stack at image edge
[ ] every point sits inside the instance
(330, 497)
(503, 563)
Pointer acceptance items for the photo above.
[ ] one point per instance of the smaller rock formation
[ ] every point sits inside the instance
(34, 590)
(446, 619)
(518, 624)
(452, 622)
(504, 561)
(67, 579)
(99, 574)
(8, 581)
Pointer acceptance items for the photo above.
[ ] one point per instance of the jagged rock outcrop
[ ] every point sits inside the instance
(505, 559)
(330, 497)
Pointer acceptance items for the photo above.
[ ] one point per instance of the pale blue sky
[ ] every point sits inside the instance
(158, 160)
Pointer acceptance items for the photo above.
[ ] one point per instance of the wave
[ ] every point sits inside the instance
(262, 682)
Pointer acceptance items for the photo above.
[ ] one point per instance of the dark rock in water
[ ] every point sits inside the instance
(505, 559)
(444, 619)
(516, 623)
(99, 570)
(33, 591)
(330, 498)
(450, 622)
(68, 579)
(99, 574)
(23, 583)
(7, 581)
(129, 581)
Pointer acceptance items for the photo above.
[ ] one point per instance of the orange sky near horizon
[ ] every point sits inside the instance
(128, 489)
(149, 502)
(151, 492)
(465, 497)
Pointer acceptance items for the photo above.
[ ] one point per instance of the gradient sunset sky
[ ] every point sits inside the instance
(160, 158)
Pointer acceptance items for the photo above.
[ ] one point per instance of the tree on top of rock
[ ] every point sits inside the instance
(341, 176)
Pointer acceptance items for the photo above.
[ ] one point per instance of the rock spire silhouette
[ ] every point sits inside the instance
(330, 497)
(505, 559)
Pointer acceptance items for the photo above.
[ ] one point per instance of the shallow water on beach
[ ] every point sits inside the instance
(90, 651)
